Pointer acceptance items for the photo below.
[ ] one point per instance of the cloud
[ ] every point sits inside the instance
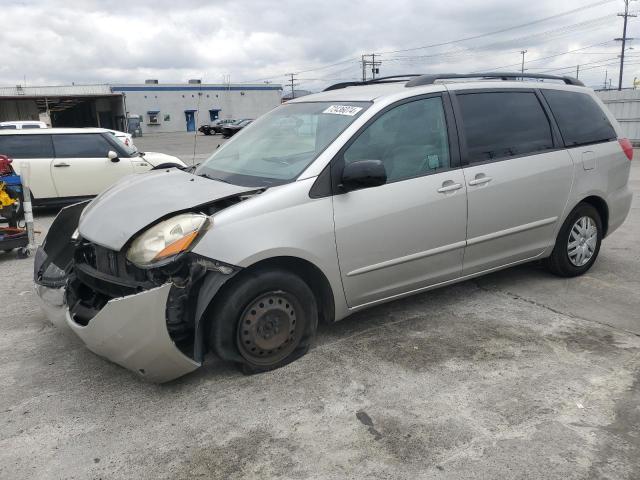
(102, 41)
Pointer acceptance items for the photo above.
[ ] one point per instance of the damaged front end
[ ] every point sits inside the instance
(148, 320)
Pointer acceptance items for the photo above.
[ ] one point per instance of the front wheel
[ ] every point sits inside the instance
(264, 320)
(578, 242)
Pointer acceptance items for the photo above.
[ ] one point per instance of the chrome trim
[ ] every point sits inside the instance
(407, 258)
(511, 231)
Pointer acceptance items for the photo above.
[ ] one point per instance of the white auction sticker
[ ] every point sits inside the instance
(343, 110)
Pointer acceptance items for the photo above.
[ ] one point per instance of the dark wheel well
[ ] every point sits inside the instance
(601, 206)
(312, 275)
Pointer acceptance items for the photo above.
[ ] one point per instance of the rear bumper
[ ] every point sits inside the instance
(619, 203)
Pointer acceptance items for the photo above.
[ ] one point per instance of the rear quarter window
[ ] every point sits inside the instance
(26, 146)
(579, 117)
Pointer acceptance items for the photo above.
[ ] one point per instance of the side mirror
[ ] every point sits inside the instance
(113, 156)
(363, 174)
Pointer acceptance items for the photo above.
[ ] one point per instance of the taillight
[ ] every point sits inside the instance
(627, 148)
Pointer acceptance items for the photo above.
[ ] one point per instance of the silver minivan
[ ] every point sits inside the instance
(331, 203)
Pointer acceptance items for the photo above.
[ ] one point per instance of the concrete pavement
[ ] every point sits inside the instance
(516, 375)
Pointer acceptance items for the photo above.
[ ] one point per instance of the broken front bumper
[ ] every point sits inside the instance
(130, 331)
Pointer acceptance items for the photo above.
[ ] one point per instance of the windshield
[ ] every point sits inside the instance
(277, 147)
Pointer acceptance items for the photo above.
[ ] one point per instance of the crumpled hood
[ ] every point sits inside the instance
(138, 200)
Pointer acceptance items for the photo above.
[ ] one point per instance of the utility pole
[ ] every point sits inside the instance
(605, 78)
(373, 63)
(522, 68)
(292, 84)
(578, 71)
(624, 38)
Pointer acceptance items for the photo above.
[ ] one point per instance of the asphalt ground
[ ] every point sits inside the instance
(516, 375)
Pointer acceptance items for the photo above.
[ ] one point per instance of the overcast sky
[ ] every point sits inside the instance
(49, 42)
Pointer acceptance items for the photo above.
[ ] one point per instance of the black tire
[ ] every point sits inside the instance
(559, 262)
(207, 132)
(263, 320)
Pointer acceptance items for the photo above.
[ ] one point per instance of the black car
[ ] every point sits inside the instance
(215, 127)
(232, 129)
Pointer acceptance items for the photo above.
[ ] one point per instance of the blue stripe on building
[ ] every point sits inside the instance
(195, 88)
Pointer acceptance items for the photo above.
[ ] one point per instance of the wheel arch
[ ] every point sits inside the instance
(601, 206)
(311, 274)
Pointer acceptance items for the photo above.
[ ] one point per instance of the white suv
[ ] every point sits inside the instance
(69, 164)
(332, 203)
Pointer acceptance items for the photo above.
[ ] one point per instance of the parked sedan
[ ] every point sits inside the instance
(215, 126)
(70, 164)
(231, 130)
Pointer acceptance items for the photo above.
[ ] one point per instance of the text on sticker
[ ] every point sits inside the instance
(343, 110)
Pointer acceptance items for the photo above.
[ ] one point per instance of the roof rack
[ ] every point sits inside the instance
(389, 79)
(431, 79)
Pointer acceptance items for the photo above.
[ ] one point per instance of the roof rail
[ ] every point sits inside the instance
(389, 79)
(431, 79)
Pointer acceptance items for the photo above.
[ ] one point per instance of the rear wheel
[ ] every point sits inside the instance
(578, 242)
(264, 320)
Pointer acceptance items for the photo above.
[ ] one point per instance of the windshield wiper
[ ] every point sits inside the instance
(214, 178)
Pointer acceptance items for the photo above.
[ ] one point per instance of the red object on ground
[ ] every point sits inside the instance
(5, 165)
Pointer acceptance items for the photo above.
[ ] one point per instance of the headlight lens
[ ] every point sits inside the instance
(166, 239)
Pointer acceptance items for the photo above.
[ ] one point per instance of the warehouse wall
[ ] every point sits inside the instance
(171, 101)
(18, 110)
(625, 106)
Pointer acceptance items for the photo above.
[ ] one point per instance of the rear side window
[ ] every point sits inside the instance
(78, 145)
(503, 124)
(26, 146)
(580, 118)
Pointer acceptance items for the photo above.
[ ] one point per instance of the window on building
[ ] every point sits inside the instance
(81, 145)
(503, 124)
(580, 118)
(167, 117)
(154, 117)
(26, 146)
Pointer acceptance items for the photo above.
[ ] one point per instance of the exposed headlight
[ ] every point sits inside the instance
(167, 239)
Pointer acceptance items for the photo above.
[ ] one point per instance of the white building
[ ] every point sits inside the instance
(160, 107)
(184, 107)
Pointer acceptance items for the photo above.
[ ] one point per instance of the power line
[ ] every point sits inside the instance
(452, 42)
(555, 55)
(495, 32)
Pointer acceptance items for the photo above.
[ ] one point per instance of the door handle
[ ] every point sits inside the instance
(449, 186)
(480, 179)
(57, 165)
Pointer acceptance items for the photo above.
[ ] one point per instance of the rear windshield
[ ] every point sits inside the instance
(580, 118)
(277, 147)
